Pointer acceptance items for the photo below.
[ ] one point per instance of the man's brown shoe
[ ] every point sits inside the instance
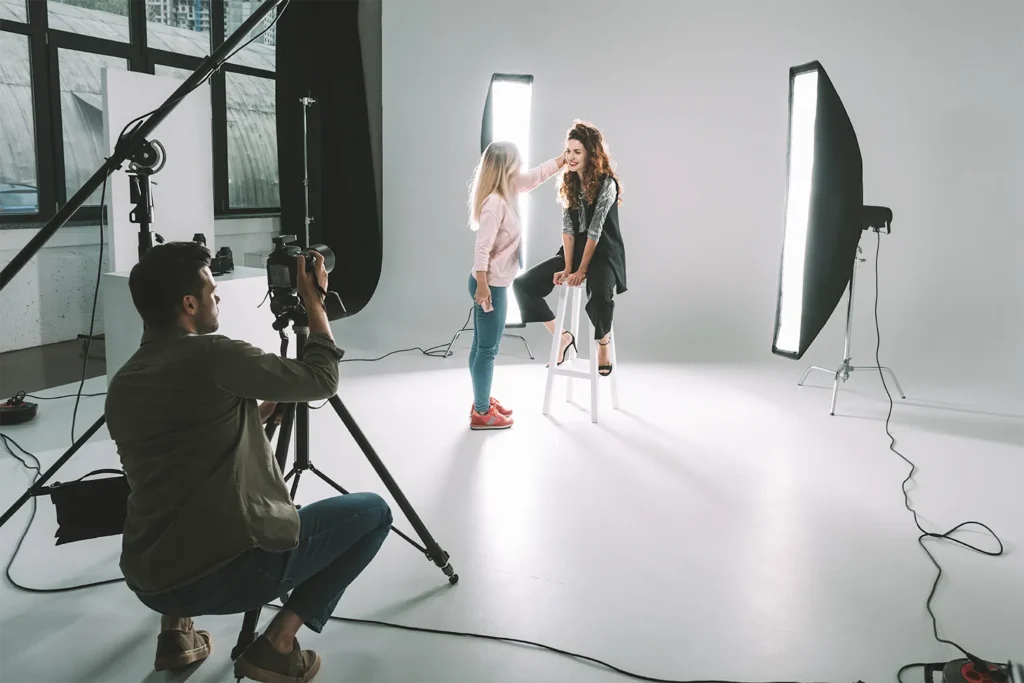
(177, 648)
(263, 663)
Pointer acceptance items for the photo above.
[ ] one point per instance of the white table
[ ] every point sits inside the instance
(240, 293)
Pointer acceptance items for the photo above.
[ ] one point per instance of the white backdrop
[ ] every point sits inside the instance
(693, 99)
(183, 190)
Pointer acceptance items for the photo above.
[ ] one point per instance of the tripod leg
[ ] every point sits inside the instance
(285, 438)
(835, 394)
(340, 489)
(522, 339)
(434, 553)
(448, 351)
(895, 381)
(892, 374)
(813, 368)
(248, 633)
(53, 470)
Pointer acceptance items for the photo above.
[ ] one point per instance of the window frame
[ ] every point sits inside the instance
(44, 45)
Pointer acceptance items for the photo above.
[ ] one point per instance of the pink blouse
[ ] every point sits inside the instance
(499, 235)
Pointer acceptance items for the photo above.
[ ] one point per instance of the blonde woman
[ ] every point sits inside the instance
(494, 215)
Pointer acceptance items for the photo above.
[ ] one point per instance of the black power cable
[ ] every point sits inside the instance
(906, 501)
(37, 468)
(92, 318)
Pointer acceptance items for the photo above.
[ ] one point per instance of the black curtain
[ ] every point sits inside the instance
(319, 55)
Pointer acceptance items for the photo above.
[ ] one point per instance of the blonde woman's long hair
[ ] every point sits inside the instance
(493, 175)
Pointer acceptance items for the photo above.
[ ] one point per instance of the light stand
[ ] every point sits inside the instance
(467, 328)
(129, 145)
(306, 102)
(878, 219)
(432, 550)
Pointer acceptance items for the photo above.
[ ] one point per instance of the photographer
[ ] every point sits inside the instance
(210, 526)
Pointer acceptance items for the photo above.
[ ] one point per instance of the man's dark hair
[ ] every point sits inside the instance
(165, 275)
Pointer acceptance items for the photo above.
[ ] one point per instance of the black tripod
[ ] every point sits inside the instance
(432, 551)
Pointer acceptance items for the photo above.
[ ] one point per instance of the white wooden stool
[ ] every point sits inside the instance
(571, 298)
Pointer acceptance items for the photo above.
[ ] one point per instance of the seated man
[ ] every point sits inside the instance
(210, 526)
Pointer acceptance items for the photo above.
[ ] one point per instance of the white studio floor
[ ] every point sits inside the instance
(720, 526)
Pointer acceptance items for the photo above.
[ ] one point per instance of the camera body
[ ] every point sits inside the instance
(221, 263)
(283, 282)
(282, 264)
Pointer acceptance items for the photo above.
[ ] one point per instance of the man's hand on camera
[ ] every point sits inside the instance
(307, 286)
(266, 410)
(313, 292)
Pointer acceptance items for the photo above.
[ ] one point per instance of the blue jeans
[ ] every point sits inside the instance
(487, 331)
(337, 539)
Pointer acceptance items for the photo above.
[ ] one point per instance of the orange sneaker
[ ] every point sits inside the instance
(492, 419)
(497, 406)
(507, 412)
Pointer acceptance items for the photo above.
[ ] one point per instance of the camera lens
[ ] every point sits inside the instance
(326, 252)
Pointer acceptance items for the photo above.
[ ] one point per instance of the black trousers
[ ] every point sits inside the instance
(536, 283)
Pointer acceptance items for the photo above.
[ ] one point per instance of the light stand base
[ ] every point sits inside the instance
(845, 368)
(843, 373)
(448, 351)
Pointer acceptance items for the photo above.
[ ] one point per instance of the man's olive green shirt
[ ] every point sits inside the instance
(205, 486)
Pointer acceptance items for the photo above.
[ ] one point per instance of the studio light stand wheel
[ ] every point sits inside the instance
(842, 373)
(292, 413)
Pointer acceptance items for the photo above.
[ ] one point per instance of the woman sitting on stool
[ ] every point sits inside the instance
(592, 248)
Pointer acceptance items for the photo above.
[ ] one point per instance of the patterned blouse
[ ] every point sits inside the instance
(605, 200)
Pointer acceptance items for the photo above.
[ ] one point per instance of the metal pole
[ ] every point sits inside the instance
(306, 102)
(849, 309)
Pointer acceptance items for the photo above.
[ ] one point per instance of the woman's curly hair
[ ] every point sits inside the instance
(598, 167)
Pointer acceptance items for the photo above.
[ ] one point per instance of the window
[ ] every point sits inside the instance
(51, 102)
(172, 72)
(81, 114)
(13, 10)
(253, 180)
(260, 53)
(107, 19)
(179, 26)
(18, 187)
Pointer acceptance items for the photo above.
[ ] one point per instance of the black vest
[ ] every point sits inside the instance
(609, 248)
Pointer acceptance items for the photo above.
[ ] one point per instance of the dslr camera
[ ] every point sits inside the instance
(282, 278)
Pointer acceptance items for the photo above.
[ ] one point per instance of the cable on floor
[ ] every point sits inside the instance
(906, 500)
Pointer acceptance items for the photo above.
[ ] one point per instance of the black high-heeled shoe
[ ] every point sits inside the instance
(565, 352)
(572, 343)
(601, 369)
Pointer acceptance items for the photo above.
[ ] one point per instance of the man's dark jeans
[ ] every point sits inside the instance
(338, 538)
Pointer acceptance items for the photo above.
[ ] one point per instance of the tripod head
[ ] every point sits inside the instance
(292, 311)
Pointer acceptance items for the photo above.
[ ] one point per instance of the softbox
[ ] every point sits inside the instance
(824, 210)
